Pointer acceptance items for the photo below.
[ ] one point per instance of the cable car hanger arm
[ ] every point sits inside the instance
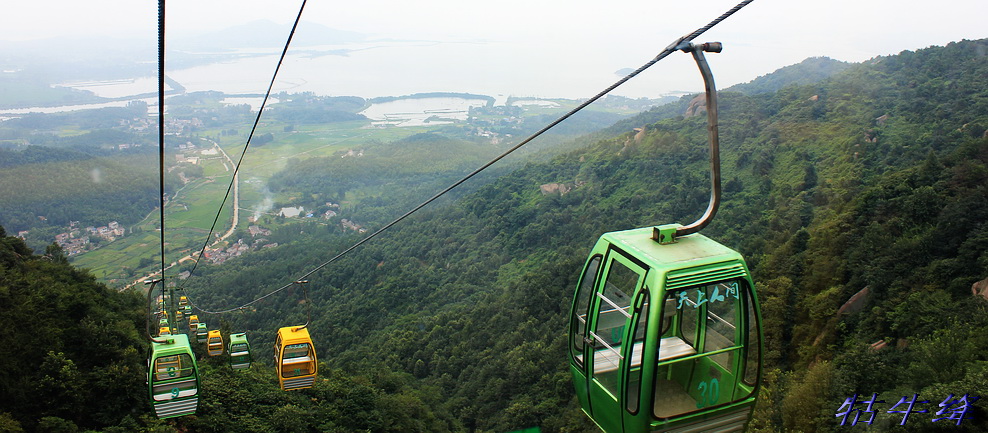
(669, 233)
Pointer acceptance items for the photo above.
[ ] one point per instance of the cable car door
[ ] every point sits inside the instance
(579, 321)
(611, 317)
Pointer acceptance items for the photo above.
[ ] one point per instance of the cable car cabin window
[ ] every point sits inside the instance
(612, 317)
(687, 322)
(721, 332)
(170, 367)
(296, 360)
(633, 386)
(277, 352)
(581, 309)
(173, 377)
(753, 354)
(699, 353)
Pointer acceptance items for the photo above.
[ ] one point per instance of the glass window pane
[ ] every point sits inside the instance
(612, 318)
(173, 367)
(671, 395)
(687, 321)
(754, 344)
(633, 387)
(583, 296)
(296, 360)
(686, 383)
(296, 350)
(721, 329)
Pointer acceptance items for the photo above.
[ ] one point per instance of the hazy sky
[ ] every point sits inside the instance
(762, 37)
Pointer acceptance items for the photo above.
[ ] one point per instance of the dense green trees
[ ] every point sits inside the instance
(73, 358)
(455, 320)
(66, 343)
(93, 191)
(835, 187)
(306, 109)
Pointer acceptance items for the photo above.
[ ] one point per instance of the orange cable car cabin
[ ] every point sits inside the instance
(295, 358)
(214, 344)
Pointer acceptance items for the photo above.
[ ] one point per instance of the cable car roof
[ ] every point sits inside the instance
(169, 344)
(294, 333)
(694, 250)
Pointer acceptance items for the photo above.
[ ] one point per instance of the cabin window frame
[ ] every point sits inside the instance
(586, 291)
(639, 322)
(186, 368)
(699, 339)
(614, 255)
(753, 332)
(277, 354)
(308, 354)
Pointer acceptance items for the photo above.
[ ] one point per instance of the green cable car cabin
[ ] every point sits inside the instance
(214, 343)
(665, 336)
(240, 357)
(202, 332)
(664, 330)
(173, 377)
(295, 358)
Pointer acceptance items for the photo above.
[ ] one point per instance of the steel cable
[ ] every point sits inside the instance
(675, 46)
(236, 169)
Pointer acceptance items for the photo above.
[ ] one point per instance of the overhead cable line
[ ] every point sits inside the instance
(161, 129)
(236, 169)
(677, 45)
(161, 159)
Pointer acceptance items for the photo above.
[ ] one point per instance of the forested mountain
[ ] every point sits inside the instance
(70, 348)
(809, 71)
(74, 186)
(73, 358)
(873, 182)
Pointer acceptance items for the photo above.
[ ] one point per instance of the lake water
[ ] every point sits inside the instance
(418, 111)
(64, 108)
(394, 68)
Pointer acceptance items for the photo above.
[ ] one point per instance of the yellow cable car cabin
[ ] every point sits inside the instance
(295, 358)
(193, 323)
(179, 315)
(183, 301)
(214, 345)
(164, 331)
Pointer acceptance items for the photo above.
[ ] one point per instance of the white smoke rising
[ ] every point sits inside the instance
(266, 204)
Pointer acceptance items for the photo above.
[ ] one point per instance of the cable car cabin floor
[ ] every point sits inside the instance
(607, 360)
(671, 399)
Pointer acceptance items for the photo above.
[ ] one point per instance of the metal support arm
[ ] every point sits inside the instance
(711, 92)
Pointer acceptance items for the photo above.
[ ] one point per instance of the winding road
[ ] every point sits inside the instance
(233, 224)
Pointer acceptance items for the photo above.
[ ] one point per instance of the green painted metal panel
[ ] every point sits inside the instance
(179, 405)
(692, 261)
